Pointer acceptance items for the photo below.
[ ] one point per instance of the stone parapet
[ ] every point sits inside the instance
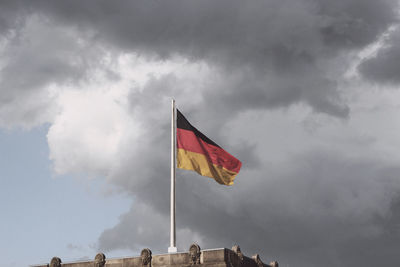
(195, 257)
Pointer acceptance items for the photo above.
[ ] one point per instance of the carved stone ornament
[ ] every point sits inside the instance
(100, 260)
(236, 259)
(146, 257)
(257, 259)
(55, 262)
(194, 254)
(237, 250)
(274, 264)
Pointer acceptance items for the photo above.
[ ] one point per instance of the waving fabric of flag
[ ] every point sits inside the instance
(198, 153)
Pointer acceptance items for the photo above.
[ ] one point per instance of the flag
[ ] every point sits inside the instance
(198, 153)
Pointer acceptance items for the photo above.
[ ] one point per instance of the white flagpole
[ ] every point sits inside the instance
(172, 248)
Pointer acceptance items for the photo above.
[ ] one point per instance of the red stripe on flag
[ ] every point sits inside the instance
(189, 141)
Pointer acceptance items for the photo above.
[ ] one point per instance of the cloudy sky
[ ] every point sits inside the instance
(304, 92)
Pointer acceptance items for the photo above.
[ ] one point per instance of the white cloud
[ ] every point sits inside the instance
(86, 134)
(98, 121)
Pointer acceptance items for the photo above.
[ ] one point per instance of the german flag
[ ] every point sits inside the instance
(198, 153)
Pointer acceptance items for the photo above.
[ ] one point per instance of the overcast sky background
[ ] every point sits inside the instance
(304, 92)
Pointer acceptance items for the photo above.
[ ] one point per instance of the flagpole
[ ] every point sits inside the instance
(172, 248)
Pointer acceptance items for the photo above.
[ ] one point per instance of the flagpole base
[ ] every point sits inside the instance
(172, 249)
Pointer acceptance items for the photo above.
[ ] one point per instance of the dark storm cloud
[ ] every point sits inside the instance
(309, 215)
(384, 67)
(310, 210)
(152, 234)
(41, 56)
(278, 48)
(252, 30)
(275, 47)
(38, 52)
(11, 14)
